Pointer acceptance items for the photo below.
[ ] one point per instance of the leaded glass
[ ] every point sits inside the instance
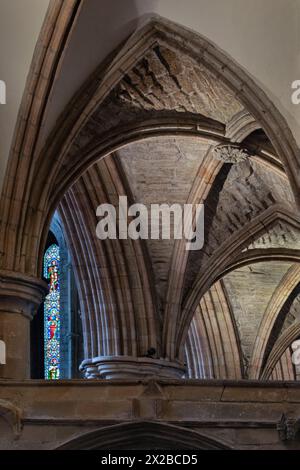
(52, 313)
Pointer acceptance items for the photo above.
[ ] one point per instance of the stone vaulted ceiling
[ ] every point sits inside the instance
(163, 81)
(121, 104)
(162, 171)
(145, 125)
(243, 202)
(225, 327)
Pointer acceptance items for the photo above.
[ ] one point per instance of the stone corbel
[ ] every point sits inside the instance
(127, 367)
(288, 428)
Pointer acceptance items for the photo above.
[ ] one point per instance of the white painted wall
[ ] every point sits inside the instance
(20, 24)
(263, 36)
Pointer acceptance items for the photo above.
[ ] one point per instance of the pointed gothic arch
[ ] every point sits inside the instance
(143, 435)
(74, 146)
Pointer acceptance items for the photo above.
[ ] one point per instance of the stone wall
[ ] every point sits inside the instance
(239, 415)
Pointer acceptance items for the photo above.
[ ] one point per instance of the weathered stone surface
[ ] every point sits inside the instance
(135, 295)
(240, 414)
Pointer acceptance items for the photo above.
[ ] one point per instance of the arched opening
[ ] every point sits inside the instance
(143, 435)
(135, 297)
(56, 330)
(147, 117)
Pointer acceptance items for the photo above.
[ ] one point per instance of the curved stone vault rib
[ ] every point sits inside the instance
(222, 258)
(212, 346)
(280, 347)
(250, 201)
(240, 126)
(260, 255)
(280, 296)
(240, 193)
(60, 18)
(157, 31)
(142, 90)
(112, 276)
(284, 369)
(169, 171)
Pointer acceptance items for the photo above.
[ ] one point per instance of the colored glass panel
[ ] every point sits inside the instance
(52, 313)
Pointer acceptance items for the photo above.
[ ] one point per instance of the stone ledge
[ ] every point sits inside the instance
(164, 382)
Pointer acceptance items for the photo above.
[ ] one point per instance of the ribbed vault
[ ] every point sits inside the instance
(212, 347)
(145, 125)
(115, 286)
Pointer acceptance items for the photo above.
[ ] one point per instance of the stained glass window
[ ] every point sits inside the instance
(52, 313)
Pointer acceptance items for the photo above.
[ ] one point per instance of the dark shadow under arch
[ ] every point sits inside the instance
(143, 435)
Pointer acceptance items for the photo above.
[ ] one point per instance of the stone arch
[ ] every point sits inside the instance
(277, 302)
(155, 31)
(49, 51)
(223, 260)
(287, 338)
(212, 348)
(59, 166)
(118, 308)
(253, 256)
(143, 435)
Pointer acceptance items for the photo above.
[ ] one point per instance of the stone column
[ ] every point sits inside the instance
(128, 367)
(20, 297)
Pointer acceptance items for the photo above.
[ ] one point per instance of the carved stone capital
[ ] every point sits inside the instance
(127, 367)
(231, 153)
(20, 294)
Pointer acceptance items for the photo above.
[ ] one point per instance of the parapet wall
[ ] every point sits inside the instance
(239, 415)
